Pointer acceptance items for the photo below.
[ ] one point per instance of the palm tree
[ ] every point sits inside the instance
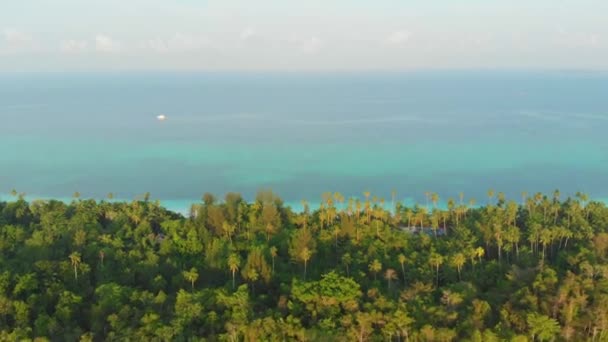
(322, 214)
(233, 263)
(273, 254)
(490, 196)
(336, 233)
(501, 197)
(542, 328)
(389, 275)
(191, 276)
(513, 236)
(270, 229)
(422, 215)
(401, 259)
(435, 199)
(75, 260)
(427, 195)
(350, 206)
(402, 321)
(451, 204)
(436, 260)
(546, 238)
(305, 255)
(338, 198)
(410, 216)
(252, 275)
(458, 261)
(379, 216)
(366, 194)
(584, 199)
(556, 195)
(102, 256)
(347, 260)
(375, 267)
(304, 211)
(497, 235)
(228, 230)
(435, 221)
(479, 252)
(393, 195)
(367, 206)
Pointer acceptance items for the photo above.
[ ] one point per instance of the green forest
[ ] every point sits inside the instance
(533, 268)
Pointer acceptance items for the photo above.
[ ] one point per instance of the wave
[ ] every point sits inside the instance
(561, 116)
(258, 117)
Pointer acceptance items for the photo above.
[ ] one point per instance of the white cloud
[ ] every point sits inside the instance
(248, 33)
(13, 40)
(577, 39)
(104, 43)
(398, 37)
(177, 43)
(15, 37)
(72, 46)
(311, 45)
(592, 40)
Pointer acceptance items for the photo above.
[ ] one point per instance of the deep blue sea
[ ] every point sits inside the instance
(303, 134)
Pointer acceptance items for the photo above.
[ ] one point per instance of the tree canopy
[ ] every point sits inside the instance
(349, 270)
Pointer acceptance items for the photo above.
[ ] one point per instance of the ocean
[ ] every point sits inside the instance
(302, 134)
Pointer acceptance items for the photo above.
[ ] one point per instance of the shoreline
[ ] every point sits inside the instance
(182, 206)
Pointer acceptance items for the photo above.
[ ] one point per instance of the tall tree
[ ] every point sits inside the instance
(305, 255)
(541, 327)
(273, 255)
(375, 266)
(234, 263)
(491, 194)
(436, 260)
(191, 276)
(402, 259)
(458, 261)
(75, 259)
(390, 275)
(347, 260)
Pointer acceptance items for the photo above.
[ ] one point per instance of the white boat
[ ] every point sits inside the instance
(161, 117)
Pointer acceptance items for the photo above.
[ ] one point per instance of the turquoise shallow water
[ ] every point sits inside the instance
(302, 135)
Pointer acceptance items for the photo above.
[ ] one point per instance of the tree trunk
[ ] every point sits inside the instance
(499, 253)
(437, 275)
(544, 248)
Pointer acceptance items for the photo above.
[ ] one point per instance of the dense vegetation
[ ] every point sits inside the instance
(348, 271)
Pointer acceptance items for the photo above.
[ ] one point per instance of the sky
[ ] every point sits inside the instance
(210, 35)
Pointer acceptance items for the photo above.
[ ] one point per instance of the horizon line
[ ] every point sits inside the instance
(312, 71)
